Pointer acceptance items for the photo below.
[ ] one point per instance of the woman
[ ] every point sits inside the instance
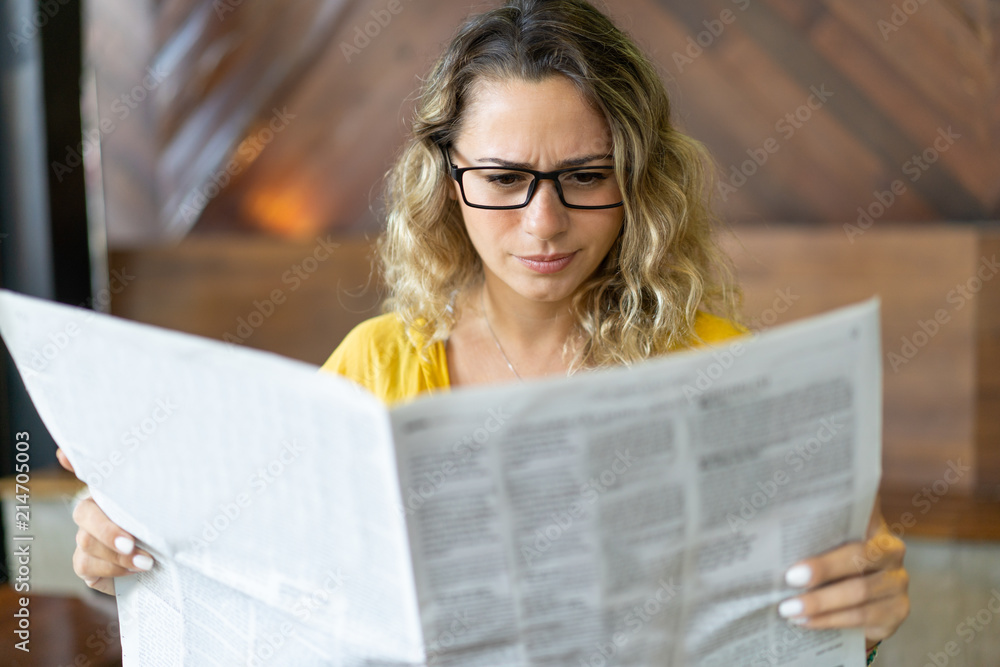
(545, 217)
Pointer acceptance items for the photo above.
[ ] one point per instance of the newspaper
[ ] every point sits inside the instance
(636, 516)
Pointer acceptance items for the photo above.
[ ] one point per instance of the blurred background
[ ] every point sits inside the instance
(215, 166)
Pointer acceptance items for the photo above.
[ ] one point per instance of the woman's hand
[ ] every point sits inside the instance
(103, 550)
(858, 585)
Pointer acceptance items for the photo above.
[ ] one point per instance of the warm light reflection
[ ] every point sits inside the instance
(285, 210)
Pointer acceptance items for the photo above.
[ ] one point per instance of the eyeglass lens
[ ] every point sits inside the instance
(510, 187)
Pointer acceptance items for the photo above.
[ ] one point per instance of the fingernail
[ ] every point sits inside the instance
(799, 620)
(143, 562)
(124, 545)
(90, 582)
(798, 576)
(789, 608)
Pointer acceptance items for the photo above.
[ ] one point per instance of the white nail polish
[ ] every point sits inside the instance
(798, 576)
(143, 562)
(124, 545)
(789, 608)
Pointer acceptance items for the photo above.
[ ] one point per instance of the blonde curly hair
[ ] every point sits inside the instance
(665, 265)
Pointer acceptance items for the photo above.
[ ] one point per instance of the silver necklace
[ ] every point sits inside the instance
(482, 300)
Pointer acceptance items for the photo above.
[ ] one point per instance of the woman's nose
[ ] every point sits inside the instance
(545, 216)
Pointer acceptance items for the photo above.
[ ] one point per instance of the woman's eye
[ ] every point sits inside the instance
(512, 178)
(587, 177)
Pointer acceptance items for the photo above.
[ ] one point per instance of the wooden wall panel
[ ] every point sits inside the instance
(929, 399)
(892, 90)
(256, 292)
(350, 96)
(988, 376)
(942, 405)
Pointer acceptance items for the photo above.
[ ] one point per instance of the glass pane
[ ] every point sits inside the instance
(590, 187)
(496, 187)
(587, 186)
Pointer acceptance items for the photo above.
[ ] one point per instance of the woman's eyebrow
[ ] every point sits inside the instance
(564, 164)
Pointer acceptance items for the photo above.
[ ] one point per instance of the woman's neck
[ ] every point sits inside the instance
(530, 335)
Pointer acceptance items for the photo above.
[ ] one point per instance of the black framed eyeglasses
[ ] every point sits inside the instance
(503, 188)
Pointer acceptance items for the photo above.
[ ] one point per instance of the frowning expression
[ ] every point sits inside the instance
(543, 251)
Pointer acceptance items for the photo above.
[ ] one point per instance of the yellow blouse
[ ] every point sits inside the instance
(382, 356)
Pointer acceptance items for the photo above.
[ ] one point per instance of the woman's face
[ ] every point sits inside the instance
(544, 251)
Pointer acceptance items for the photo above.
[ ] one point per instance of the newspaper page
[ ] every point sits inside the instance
(639, 516)
(645, 516)
(265, 491)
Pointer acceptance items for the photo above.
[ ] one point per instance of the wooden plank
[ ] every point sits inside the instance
(46, 484)
(819, 159)
(988, 371)
(975, 168)
(929, 398)
(325, 172)
(702, 98)
(280, 297)
(800, 14)
(949, 516)
(854, 110)
(64, 631)
(930, 64)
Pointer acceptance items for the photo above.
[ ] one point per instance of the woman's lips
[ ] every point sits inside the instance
(547, 263)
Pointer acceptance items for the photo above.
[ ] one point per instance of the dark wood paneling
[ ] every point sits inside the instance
(929, 399)
(286, 299)
(988, 374)
(941, 405)
(64, 631)
(352, 97)
(950, 517)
